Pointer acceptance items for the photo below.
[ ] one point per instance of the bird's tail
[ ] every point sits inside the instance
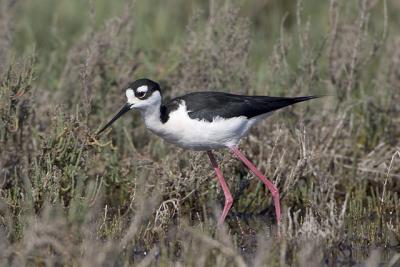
(267, 103)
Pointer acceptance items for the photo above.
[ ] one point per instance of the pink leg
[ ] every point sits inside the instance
(221, 180)
(272, 188)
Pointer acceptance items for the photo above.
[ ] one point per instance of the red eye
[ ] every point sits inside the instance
(140, 94)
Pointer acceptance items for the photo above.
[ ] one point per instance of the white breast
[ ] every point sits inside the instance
(196, 134)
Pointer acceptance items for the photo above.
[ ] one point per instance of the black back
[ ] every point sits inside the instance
(208, 105)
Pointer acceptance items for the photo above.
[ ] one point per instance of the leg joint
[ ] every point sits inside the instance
(275, 192)
(228, 200)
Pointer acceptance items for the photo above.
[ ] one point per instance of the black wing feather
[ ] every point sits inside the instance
(208, 105)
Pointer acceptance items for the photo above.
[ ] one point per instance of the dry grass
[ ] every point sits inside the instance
(67, 198)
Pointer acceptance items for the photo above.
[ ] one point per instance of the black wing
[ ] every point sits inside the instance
(208, 105)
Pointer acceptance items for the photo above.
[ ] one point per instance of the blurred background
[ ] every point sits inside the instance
(70, 198)
(51, 28)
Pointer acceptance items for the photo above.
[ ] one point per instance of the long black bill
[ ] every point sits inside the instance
(123, 110)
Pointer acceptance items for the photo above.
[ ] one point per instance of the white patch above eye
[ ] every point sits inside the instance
(142, 89)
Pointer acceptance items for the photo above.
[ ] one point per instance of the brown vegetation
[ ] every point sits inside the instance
(67, 198)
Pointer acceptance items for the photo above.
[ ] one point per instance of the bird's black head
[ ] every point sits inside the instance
(142, 89)
(141, 94)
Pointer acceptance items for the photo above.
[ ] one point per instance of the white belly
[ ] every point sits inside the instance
(195, 134)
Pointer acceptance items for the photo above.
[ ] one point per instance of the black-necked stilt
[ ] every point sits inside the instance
(205, 121)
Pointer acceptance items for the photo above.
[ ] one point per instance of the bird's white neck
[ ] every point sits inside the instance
(151, 117)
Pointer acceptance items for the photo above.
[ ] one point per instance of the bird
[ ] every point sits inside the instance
(205, 121)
